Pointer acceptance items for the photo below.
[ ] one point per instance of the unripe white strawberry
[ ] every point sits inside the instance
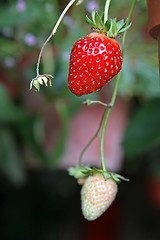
(97, 194)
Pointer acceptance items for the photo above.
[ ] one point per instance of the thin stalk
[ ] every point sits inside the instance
(108, 110)
(106, 10)
(91, 140)
(105, 121)
(53, 32)
(128, 21)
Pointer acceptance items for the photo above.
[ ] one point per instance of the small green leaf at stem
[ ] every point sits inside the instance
(108, 24)
(98, 21)
(80, 171)
(93, 17)
(88, 20)
(125, 28)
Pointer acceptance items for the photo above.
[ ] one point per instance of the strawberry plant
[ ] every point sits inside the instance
(95, 59)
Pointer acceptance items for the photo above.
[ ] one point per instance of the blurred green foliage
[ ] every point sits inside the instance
(144, 129)
(23, 29)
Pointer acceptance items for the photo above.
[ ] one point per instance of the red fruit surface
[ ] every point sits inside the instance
(94, 60)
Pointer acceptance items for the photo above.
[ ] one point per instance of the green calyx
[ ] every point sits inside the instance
(80, 171)
(111, 28)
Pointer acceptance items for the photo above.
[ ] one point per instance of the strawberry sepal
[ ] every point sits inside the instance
(80, 171)
(44, 79)
(111, 28)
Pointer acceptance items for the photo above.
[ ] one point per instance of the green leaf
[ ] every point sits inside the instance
(98, 21)
(102, 17)
(121, 24)
(112, 32)
(94, 17)
(89, 21)
(108, 24)
(77, 171)
(125, 28)
(143, 131)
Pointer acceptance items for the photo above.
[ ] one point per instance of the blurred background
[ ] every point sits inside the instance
(42, 134)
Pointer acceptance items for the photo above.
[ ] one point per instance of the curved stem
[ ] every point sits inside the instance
(91, 140)
(53, 32)
(105, 121)
(108, 111)
(106, 10)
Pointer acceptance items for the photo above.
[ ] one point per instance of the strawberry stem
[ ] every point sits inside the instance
(106, 10)
(91, 140)
(105, 121)
(127, 23)
(89, 102)
(54, 31)
(107, 111)
(108, 107)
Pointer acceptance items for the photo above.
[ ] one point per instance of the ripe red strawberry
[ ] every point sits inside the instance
(94, 60)
(97, 194)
